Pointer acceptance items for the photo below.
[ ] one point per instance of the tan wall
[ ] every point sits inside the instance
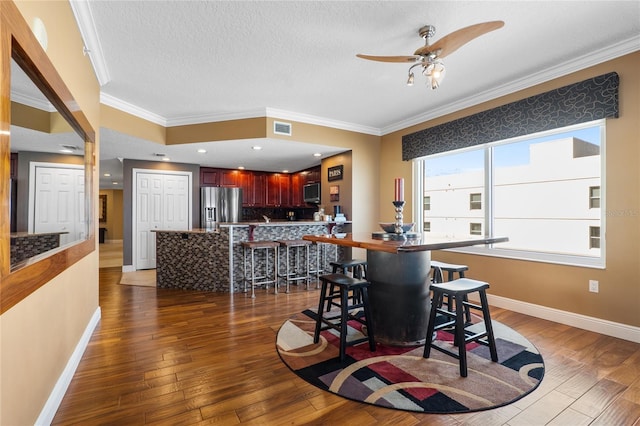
(364, 150)
(248, 128)
(114, 222)
(557, 286)
(344, 184)
(131, 125)
(365, 163)
(39, 334)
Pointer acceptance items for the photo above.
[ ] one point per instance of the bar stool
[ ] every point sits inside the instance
(458, 290)
(345, 284)
(295, 272)
(439, 267)
(357, 268)
(450, 268)
(251, 247)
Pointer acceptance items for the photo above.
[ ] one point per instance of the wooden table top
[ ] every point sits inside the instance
(422, 243)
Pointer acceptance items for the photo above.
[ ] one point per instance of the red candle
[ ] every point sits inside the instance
(399, 189)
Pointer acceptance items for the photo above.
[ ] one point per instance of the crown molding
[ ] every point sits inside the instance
(593, 58)
(33, 102)
(216, 117)
(325, 122)
(132, 109)
(587, 60)
(93, 48)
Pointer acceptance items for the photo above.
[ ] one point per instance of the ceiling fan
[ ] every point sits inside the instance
(429, 56)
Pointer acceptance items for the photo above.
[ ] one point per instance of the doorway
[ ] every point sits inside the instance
(56, 200)
(161, 201)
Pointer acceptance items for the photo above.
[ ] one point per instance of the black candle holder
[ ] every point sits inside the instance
(399, 205)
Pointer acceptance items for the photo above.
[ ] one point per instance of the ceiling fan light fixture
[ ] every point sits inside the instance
(434, 72)
(410, 79)
(428, 56)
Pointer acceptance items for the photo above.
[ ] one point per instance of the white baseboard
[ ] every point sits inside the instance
(128, 268)
(55, 398)
(609, 328)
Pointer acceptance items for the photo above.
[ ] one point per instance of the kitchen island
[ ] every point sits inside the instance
(25, 245)
(398, 271)
(212, 259)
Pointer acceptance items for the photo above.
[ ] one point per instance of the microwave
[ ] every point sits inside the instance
(311, 193)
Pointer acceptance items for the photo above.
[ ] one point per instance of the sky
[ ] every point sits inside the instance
(512, 154)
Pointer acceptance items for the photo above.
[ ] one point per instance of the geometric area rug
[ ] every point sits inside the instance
(399, 378)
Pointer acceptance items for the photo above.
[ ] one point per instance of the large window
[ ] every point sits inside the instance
(542, 191)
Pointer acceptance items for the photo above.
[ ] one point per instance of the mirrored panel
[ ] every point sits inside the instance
(48, 208)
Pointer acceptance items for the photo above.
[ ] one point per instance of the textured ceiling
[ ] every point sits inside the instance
(182, 62)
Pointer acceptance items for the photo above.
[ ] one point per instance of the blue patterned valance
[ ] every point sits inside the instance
(581, 102)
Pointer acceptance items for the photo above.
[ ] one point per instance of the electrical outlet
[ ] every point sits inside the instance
(593, 286)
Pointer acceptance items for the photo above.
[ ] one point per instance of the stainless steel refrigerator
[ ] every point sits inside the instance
(220, 205)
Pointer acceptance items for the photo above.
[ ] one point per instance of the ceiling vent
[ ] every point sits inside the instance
(280, 128)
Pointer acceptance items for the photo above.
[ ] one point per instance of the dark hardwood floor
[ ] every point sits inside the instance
(179, 358)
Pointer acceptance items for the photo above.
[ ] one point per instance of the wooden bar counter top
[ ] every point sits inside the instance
(398, 270)
(422, 243)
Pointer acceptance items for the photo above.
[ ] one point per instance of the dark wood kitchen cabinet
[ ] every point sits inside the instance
(253, 189)
(312, 175)
(209, 176)
(278, 187)
(262, 189)
(231, 178)
(297, 183)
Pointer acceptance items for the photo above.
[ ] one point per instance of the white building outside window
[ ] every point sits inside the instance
(542, 192)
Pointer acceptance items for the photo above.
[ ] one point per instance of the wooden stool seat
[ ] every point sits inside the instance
(357, 266)
(345, 284)
(458, 290)
(450, 268)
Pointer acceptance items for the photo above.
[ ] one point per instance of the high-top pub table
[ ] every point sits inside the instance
(399, 274)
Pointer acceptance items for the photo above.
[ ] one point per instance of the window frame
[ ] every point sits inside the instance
(494, 250)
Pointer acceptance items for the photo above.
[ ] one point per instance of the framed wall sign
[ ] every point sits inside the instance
(335, 173)
(102, 208)
(334, 193)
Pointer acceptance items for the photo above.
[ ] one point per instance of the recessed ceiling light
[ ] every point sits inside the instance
(115, 183)
(106, 174)
(202, 151)
(166, 159)
(241, 167)
(256, 148)
(317, 154)
(285, 171)
(66, 151)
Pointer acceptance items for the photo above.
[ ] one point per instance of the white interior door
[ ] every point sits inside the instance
(57, 201)
(163, 201)
(176, 202)
(148, 217)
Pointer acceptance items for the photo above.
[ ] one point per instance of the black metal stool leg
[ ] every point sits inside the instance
(364, 293)
(316, 334)
(344, 317)
(488, 326)
(460, 336)
(437, 301)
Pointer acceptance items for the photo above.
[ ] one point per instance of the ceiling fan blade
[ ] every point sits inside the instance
(452, 42)
(389, 58)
